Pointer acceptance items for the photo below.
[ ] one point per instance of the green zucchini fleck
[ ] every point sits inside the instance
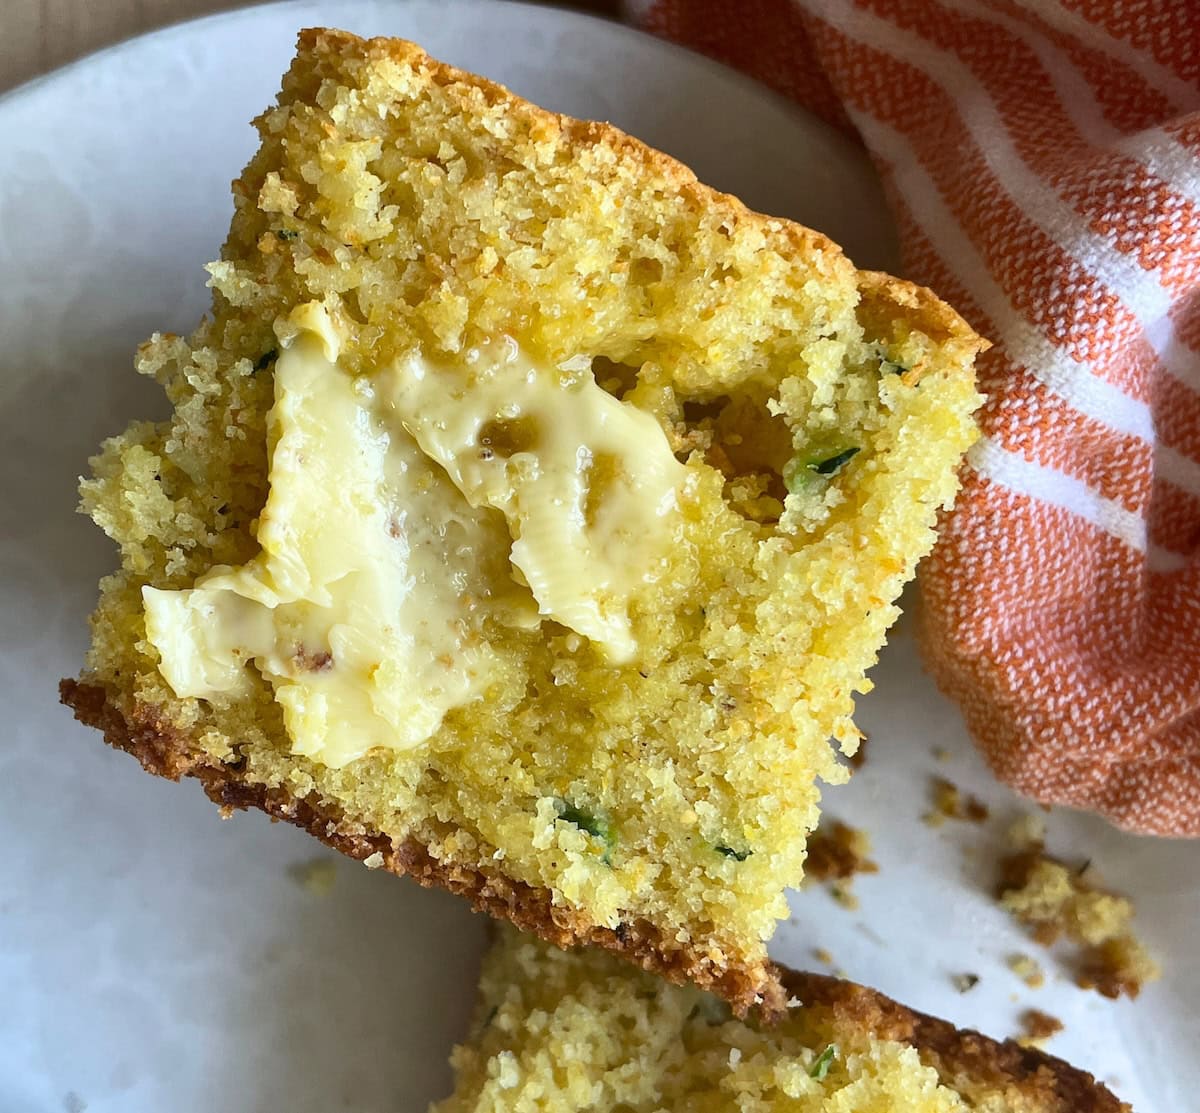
(821, 1064)
(266, 359)
(831, 464)
(799, 471)
(287, 233)
(729, 852)
(592, 823)
(894, 367)
(887, 365)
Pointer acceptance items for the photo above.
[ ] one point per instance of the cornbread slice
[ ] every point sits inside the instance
(528, 516)
(560, 1031)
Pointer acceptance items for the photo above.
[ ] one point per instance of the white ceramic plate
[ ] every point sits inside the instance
(152, 957)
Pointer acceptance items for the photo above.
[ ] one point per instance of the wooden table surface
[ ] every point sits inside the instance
(37, 35)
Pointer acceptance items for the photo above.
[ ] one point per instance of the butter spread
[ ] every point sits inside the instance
(384, 545)
(586, 482)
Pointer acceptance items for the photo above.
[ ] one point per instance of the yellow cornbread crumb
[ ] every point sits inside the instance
(1027, 969)
(819, 414)
(950, 802)
(1054, 900)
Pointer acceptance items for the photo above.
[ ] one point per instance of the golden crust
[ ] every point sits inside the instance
(965, 1060)
(165, 751)
(923, 308)
(882, 294)
(323, 41)
(889, 305)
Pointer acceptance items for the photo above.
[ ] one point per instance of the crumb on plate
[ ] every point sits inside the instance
(1027, 969)
(837, 852)
(950, 802)
(1038, 1027)
(1056, 901)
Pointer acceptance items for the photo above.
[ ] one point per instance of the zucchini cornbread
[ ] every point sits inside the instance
(557, 1032)
(528, 516)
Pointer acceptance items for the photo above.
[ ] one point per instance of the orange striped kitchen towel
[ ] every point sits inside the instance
(1042, 159)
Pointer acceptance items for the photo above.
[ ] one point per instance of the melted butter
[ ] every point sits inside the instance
(586, 482)
(385, 539)
(364, 606)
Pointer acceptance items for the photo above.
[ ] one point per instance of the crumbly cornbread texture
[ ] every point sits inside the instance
(657, 807)
(1055, 900)
(561, 1032)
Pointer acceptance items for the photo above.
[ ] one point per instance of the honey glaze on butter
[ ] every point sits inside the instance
(408, 509)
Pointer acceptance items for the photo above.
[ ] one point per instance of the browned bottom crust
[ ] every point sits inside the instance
(966, 1061)
(166, 752)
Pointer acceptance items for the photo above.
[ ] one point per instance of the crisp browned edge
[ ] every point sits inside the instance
(922, 308)
(959, 1055)
(166, 751)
